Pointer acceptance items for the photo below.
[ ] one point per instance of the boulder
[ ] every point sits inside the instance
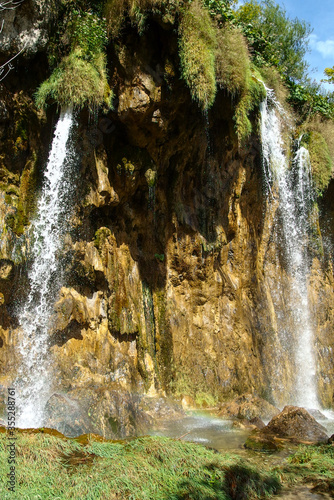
(292, 425)
(296, 422)
(248, 407)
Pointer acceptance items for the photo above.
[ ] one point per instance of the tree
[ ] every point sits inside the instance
(329, 72)
(275, 39)
(8, 66)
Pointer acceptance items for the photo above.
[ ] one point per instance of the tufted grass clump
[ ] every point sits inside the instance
(232, 60)
(251, 97)
(197, 47)
(321, 163)
(116, 12)
(77, 82)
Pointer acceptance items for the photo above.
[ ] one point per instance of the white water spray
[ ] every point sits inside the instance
(295, 199)
(34, 376)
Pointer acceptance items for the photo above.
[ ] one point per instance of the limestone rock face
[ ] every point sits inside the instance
(172, 260)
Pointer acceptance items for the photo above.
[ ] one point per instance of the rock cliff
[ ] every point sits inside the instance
(173, 255)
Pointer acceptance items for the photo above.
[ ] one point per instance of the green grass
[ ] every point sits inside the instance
(49, 466)
(197, 47)
(311, 464)
(321, 163)
(142, 469)
(77, 82)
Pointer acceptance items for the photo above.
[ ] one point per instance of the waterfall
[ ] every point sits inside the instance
(34, 378)
(294, 191)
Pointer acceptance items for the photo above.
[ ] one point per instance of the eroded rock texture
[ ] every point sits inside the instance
(171, 264)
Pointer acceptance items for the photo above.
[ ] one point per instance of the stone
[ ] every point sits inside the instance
(248, 407)
(296, 422)
(65, 415)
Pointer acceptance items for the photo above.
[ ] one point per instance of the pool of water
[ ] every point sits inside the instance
(200, 427)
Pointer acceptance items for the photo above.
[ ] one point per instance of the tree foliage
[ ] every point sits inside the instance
(275, 39)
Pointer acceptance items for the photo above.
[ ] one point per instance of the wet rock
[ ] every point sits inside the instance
(66, 416)
(248, 407)
(316, 414)
(262, 443)
(296, 422)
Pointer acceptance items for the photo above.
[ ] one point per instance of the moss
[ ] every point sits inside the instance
(320, 161)
(151, 177)
(127, 166)
(251, 97)
(77, 82)
(100, 237)
(197, 46)
(136, 11)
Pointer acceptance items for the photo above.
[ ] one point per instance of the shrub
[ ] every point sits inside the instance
(77, 82)
(197, 46)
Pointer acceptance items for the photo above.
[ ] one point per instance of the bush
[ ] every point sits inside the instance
(89, 33)
(197, 46)
(77, 82)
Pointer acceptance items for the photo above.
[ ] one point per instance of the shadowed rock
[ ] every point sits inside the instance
(248, 407)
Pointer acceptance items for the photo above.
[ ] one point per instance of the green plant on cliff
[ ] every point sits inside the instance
(117, 11)
(321, 164)
(77, 82)
(232, 60)
(81, 77)
(250, 98)
(197, 47)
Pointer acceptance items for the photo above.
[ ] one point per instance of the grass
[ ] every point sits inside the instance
(142, 469)
(321, 163)
(311, 464)
(49, 466)
(232, 60)
(197, 47)
(77, 82)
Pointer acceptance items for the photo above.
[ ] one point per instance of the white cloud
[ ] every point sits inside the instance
(325, 48)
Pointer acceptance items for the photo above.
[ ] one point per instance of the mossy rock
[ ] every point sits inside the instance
(265, 444)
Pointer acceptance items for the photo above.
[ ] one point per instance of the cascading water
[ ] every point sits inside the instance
(294, 190)
(34, 377)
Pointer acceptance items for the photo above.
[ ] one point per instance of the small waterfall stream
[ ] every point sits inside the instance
(34, 377)
(295, 194)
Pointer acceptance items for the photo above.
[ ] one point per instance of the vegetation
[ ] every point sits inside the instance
(145, 468)
(312, 464)
(275, 39)
(81, 77)
(51, 466)
(197, 45)
(77, 82)
(321, 163)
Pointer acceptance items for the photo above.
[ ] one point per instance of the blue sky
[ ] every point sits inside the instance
(320, 15)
